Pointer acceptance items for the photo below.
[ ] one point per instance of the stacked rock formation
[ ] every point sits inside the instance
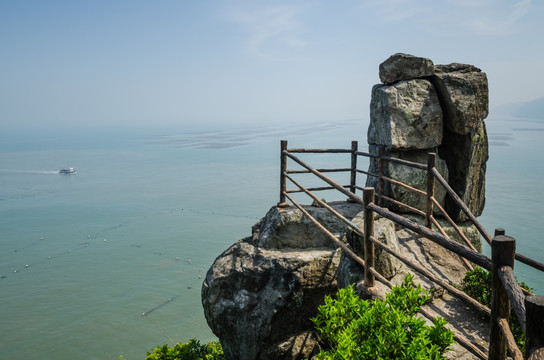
(421, 108)
(260, 293)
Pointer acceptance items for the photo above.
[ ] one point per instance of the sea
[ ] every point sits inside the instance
(109, 262)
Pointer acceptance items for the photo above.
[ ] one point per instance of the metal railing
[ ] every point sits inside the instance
(506, 292)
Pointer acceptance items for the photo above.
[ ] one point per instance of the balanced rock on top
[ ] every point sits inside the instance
(422, 107)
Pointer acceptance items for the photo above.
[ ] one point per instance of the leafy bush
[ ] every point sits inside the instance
(191, 350)
(477, 284)
(388, 329)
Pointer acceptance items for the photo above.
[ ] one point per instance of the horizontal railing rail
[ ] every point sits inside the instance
(506, 291)
(458, 337)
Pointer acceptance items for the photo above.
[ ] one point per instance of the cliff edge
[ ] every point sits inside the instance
(259, 295)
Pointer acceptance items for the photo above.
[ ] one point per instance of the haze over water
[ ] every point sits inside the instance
(110, 261)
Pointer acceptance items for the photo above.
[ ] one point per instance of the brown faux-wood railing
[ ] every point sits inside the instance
(506, 292)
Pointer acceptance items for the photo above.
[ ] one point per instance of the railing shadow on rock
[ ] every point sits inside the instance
(506, 292)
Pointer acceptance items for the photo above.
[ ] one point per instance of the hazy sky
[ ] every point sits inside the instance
(66, 63)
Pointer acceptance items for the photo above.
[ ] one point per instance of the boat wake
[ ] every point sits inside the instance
(35, 172)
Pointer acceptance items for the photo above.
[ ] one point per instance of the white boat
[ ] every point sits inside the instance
(69, 171)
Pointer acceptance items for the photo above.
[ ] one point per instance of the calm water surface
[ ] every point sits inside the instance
(110, 261)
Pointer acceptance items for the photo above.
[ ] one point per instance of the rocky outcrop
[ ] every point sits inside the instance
(259, 295)
(255, 299)
(432, 108)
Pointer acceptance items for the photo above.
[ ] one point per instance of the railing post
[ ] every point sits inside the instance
(283, 169)
(499, 231)
(368, 197)
(503, 249)
(381, 174)
(534, 344)
(431, 162)
(353, 178)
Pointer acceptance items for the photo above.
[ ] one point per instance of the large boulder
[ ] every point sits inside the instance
(255, 299)
(289, 228)
(463, 91)
(406, 116)
(259, 295)
(405, 67)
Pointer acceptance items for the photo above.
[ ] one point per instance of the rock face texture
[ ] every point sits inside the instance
(405, 67)
(254, 297)
(405, 115)
(464, 96)
(409, 176)
(260, 294)
(466, 156)
(422, 107)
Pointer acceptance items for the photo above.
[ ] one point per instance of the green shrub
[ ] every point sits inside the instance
(191, 350)
(477, 284)
(355, 329)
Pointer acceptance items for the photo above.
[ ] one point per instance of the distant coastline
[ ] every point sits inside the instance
(527, 110)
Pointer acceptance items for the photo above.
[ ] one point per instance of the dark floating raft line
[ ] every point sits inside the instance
(159, 306)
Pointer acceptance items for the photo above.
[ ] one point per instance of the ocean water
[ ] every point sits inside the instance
(110, 261)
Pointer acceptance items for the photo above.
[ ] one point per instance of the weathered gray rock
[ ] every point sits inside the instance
(404, 67)
(256, 299)
(406, 115)
(416, 179)
(444, 264)
(259, 295)
(468, 228)
(463, 91)
(409, 176)
(349, 271)
(467, 157)
(384, 231)
(289, 228)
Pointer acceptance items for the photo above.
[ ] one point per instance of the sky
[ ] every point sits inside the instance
(134, 63)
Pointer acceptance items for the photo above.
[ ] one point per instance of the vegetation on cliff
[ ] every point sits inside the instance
(357, 329)
(477, 284)
(388, 329)
(191, 350)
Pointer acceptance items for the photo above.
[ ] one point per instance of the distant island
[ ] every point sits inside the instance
(531, 109)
